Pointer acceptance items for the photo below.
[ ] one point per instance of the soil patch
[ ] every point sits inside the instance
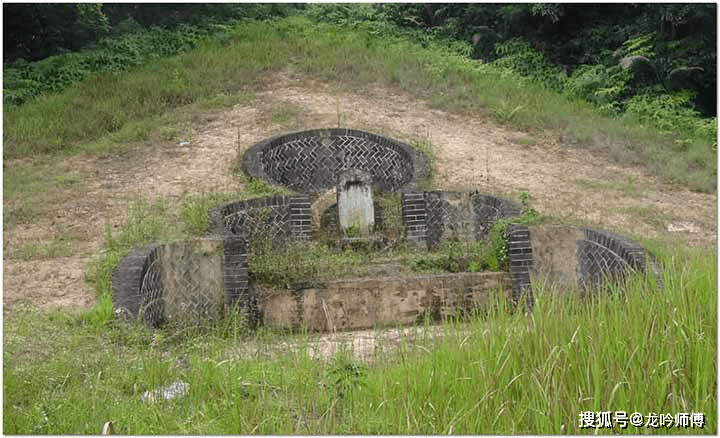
(470, 153)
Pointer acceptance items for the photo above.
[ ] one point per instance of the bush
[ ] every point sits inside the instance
(599, 84)
(24, 81)
(517, 55)
(671, 113)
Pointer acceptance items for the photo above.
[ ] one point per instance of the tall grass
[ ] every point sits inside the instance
(635, 350)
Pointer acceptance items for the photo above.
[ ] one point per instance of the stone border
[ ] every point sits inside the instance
(604, 256)
(309, 161)
(429, 217)
(137, 288)
(280, 217)
(312, 160)
(127, 281)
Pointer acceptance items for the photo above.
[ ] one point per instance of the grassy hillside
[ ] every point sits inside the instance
(68, 372)
(111, 108)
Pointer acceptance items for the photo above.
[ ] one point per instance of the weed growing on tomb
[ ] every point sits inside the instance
(302, 262)
(68, 372)
(490, 254)
(426, 148)
(392, 227)
(258, 188)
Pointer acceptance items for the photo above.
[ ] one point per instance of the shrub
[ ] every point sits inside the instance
(599, 84)
(24, 81)
(517, 55)
(671, 113)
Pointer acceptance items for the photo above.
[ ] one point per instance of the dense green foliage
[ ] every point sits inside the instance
(111, 38)
(34, 31)
(662, 47)
(677, 42)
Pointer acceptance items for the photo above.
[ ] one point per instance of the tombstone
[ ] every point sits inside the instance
(356, 212)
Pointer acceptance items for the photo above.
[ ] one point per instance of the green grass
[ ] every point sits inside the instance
(640, 350)
(128, 107)
(35, 187)
(158, 222)
(649, 214)
(627, 186)
(286, 113)
(61, 246)
(67, 372)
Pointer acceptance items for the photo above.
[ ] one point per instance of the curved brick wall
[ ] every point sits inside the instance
(130, 292)
(183, 281)
(430, 217)
(488, 209)
(574, 259)
(278, 217)
(603, 256)
(310, 161)
(146, 282)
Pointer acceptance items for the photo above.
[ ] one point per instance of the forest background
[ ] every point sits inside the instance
(652, 62)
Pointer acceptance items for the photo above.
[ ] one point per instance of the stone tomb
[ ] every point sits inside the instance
(193, 281)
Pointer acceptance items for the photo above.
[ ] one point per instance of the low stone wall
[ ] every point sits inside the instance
(277, 218)
(356, 304)
(186, 282)
(309, 161)
(205, 277)
(431, 217)
(583, 259)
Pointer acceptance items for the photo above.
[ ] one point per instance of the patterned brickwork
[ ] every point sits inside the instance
(278, 218)
(430, 217)
(519, 249)
(414, 217)
(127, 281)
(300, 223)
(311, 161)
(604, 256)
(149, 297)
(446, 219)
(150, 284)
(179, 282)
(236, 278)
(140, 280)
(489, 209)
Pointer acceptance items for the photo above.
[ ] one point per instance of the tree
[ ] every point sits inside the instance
(34, 31)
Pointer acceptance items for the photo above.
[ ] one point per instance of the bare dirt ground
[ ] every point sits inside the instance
(471, 153)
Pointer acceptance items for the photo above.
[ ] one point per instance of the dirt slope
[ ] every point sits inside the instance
(471, 153)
